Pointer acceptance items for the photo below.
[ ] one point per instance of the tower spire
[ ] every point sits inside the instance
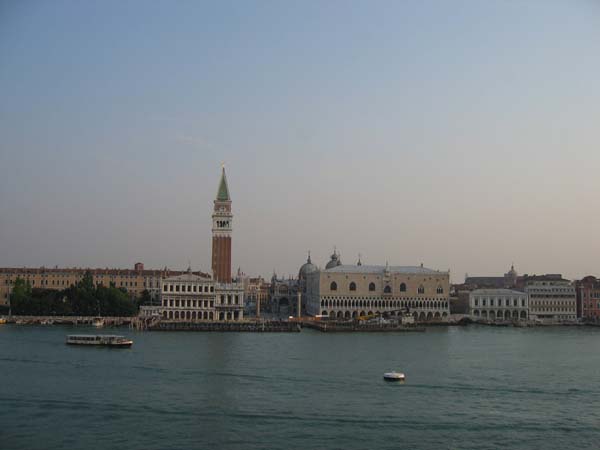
(221, 232)
(223, 191)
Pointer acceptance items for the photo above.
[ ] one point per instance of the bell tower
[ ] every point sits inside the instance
(221, 233)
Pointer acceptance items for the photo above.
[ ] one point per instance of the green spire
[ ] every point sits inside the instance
(223, 193)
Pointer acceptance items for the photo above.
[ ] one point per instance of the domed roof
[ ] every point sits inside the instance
(334, 261)
(307, 267)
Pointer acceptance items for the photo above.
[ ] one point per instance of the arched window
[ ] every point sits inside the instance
(353, 286)
(387, 290)
(440, 290)
(402, 287)
(421, 289)
(371, 286)
(333, 286)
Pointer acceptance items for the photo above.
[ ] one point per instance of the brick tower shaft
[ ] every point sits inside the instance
(221, 233)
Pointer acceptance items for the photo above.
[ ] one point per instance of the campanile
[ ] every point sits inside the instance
(221, 233)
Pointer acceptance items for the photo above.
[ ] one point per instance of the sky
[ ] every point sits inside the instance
(463, 135)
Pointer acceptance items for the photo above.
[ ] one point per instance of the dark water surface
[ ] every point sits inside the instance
(467, 388)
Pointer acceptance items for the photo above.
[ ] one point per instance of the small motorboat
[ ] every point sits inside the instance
(393, 376)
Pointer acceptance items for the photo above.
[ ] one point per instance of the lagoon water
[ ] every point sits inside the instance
(467, 388)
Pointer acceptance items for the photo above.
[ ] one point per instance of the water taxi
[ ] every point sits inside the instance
(393, 376)
(106, 340)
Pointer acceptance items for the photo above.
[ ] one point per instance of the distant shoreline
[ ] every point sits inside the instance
(258, 325)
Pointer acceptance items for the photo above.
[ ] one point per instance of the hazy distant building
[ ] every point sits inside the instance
(350, 291)
(256, 294)
(134, 281)
(498, 304)
(459, 299)
(283, 295)
(508, 281)
(551, 298)
(588, 298)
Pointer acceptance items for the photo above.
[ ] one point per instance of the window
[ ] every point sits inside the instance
(333, 286)
(476, 302)
(402, 287)
(353, 286)
(387, 290)
(440, 290)
(421, 289)
(371, 286)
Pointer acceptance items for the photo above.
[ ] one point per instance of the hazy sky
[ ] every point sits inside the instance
(461, 134)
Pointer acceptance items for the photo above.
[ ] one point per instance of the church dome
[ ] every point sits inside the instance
(334, 261)
(307, 267)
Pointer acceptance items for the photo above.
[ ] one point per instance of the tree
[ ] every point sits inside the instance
(145, 298)
(20, 296)
(81, 299)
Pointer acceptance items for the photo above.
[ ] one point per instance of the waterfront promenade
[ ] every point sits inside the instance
(254, 325)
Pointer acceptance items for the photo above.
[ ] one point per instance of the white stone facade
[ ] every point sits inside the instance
(191, 298)
(498, 305)
(352, 291)
(552, 301)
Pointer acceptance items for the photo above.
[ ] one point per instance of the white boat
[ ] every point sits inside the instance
(106, 340)
(393, 376)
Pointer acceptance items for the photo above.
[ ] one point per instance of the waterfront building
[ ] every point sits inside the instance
(193, 297)
(508, 281)
(588, 298)
(256, 293)
(134, 281)
(552, 298)
(498, 304)
(351, 291)
(282, 295)
(190, 297)
(459, 299)
(222, 228)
